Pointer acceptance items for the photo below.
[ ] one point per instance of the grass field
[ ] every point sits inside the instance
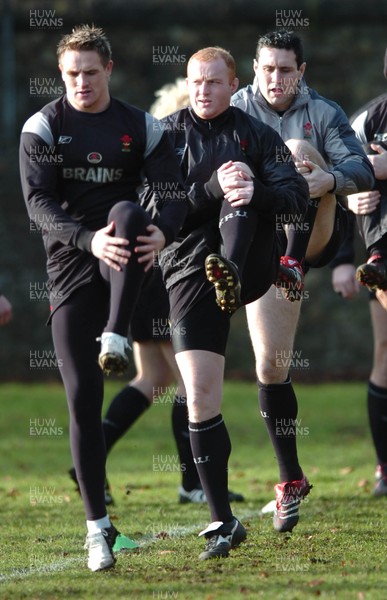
(338, 549)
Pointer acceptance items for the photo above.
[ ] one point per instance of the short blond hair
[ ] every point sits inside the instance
(86, 37)
(170, 98)
(212, 53)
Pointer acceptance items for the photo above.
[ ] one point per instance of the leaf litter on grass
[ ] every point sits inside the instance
(336, 551)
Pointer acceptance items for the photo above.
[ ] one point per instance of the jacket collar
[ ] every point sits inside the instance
(210, 124)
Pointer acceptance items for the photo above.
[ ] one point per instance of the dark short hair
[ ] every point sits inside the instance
(284, 39)
(86, 37)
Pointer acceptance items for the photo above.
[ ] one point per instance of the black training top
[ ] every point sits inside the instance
(75, 166)
(370, 125)
(202, 147)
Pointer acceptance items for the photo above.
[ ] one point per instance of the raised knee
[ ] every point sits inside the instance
(127, 214)
(303, 150)
(297, 147)
(126, 208)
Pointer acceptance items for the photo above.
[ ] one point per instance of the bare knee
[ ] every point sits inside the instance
(202, 373)
(272, 370)
(153, 386)
(303, 150)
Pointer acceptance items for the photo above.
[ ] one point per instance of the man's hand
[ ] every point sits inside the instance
(235, 179)
(235, 167)
(363, 202)
(379, 161)
(344, 281)
(110, 249)
(150, 245)
(320, 182)
(5, 310)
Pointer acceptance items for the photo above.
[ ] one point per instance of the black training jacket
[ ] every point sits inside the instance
(202, 146)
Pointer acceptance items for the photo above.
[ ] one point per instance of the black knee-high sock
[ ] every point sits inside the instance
(123, 411)
(298, 234)
(190, 476)
(377, 415)
(211, 449)
(278, 404)
(237, 228)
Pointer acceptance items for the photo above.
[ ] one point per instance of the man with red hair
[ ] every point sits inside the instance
(239, 181)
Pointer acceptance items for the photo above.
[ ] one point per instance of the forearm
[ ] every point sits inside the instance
(356, 175)
(349, 164)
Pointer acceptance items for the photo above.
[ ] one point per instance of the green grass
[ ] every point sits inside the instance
(338, 549)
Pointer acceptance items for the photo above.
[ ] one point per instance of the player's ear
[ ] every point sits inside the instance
(234, 84)
(109, 67)
(302, 69)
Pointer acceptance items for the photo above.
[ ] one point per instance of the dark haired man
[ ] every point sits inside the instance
(332, 161)
(99, 241)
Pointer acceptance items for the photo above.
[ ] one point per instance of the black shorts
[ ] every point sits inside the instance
(197, 322)
(151, 316)
(339, 234)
